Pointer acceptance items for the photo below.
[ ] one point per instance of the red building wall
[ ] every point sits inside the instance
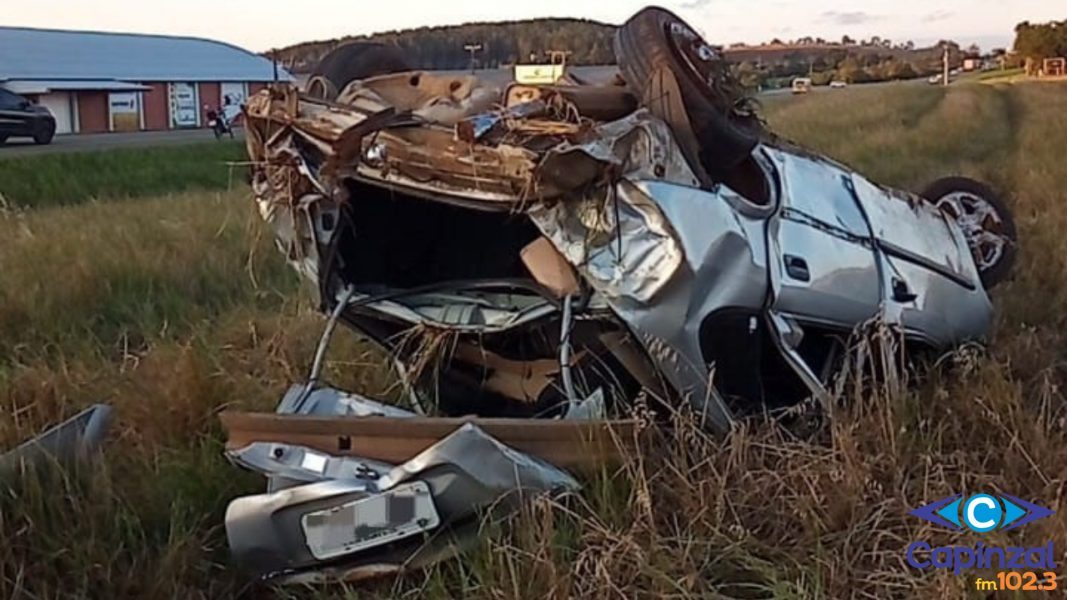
(156, 107)
(211, 96)
(255, 87)
(92, 112)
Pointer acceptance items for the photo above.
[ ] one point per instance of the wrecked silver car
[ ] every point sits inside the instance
(552, 253)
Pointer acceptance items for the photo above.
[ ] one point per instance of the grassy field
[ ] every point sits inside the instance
(72, 178)
(173, 306)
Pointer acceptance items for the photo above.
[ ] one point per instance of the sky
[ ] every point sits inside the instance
(260, 25)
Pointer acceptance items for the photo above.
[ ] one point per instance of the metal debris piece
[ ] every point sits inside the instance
(62, 445)
(354, 527)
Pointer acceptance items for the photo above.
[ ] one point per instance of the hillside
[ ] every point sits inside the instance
(590, 43)
(503, 43)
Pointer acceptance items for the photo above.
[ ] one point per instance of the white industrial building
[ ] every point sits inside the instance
(95, 81)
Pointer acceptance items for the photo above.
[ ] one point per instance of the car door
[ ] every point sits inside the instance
(824, 269)
(933, 288)
(13, 115)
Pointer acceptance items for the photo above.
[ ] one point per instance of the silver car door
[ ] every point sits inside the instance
(823, 264)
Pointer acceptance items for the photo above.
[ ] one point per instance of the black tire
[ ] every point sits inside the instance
(44, 135)
(985, 220)
(358, 60)
(647, 44)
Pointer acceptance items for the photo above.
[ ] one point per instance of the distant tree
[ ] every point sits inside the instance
(847, 41)
(1035, 42)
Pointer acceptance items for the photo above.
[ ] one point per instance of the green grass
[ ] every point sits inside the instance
(62, 179)
(1006, 74)
(170, 308)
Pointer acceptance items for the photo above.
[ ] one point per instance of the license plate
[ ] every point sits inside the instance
(401, 512)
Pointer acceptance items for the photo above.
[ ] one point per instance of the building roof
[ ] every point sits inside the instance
(44, 86)
(52, 54)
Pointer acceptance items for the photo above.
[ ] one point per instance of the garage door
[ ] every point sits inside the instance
(59, 104)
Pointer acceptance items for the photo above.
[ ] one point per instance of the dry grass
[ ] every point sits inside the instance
(151, 306)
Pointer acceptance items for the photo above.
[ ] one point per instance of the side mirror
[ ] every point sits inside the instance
(25, 104)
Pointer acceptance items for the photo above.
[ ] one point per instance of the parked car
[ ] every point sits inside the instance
(21, 118)
(837, 84)
(801, 85)
(557, 252)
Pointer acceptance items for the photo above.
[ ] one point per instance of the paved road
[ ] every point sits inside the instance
(105, 141)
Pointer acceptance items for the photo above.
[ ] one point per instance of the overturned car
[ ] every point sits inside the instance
(540, 257)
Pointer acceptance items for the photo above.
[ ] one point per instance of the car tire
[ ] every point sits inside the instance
(656, 39)
(986, 221)
(358, 60)
(44, 135)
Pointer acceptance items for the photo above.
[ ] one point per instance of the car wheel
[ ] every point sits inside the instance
(655, 39)
(44, 135)
(985, 220)
(354, 61)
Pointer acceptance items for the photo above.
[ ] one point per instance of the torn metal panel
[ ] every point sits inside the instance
(496, 467)
(725, 267)
(337, 523)
(619, 240)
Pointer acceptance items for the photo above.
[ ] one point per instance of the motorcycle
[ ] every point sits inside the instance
(220, 124)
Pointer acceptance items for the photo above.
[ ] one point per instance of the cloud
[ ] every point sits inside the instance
(939, 15)
(855, 17)
(694, 4)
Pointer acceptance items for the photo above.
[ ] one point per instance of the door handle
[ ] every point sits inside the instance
(901, 292)
(797, 268)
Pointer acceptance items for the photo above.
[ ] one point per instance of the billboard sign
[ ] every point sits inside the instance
(124, 111)
(184, 105)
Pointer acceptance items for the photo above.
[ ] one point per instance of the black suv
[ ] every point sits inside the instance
(20, 117)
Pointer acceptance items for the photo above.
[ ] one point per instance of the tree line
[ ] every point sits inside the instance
(502, 44)
(590, 42)
(1036, 42)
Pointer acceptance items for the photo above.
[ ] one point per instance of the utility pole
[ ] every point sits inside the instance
(944, 66)
(472, 48)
